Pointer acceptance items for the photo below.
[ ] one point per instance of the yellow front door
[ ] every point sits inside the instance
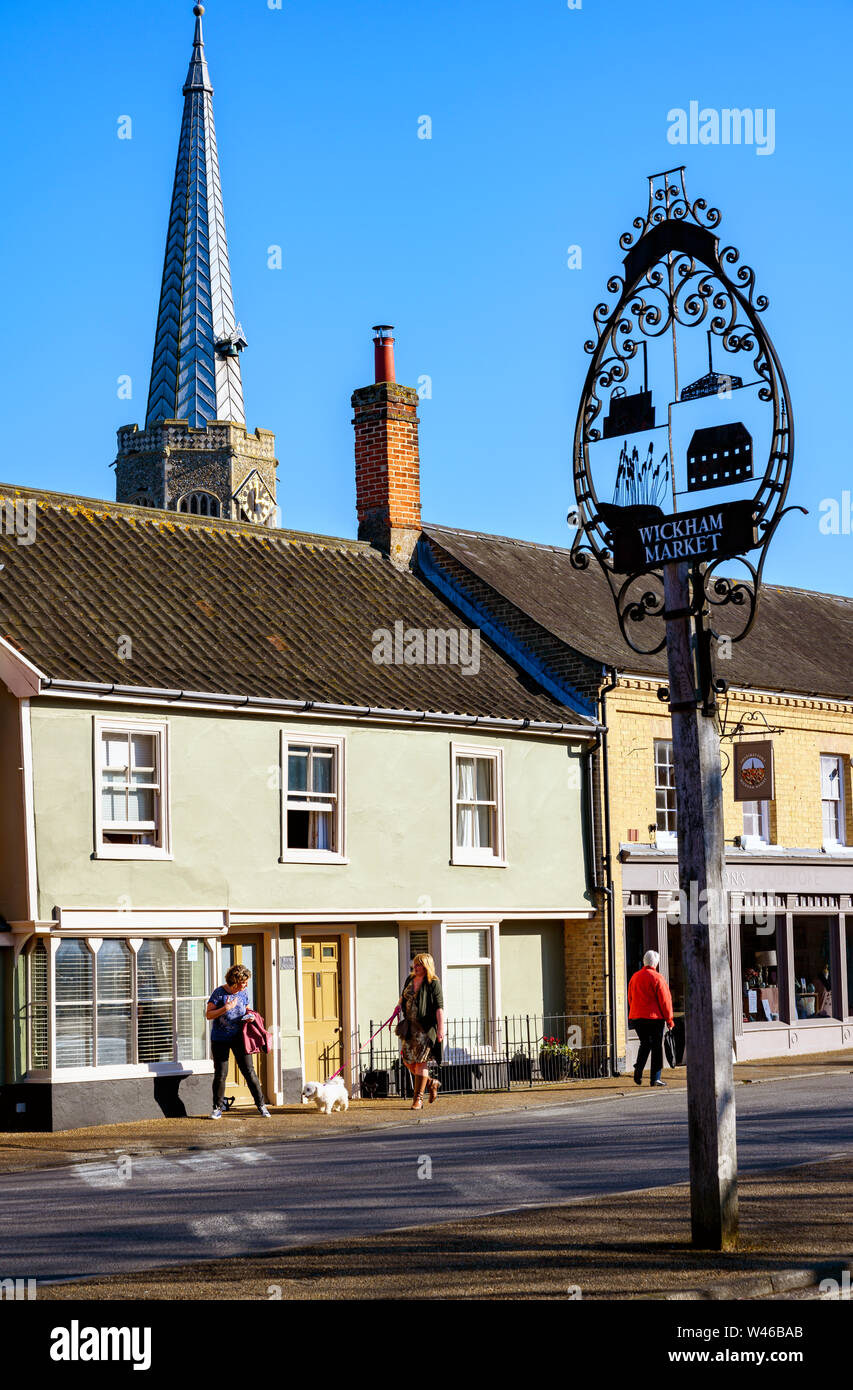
(321, 1001)
(246, 951)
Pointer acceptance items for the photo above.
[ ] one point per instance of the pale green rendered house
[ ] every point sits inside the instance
(204, 761)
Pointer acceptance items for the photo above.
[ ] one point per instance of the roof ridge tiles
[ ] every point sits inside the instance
(73, 503)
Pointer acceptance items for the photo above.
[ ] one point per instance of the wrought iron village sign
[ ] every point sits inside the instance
(684, 440)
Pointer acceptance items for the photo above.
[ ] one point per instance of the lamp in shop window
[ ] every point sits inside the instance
(766, 961)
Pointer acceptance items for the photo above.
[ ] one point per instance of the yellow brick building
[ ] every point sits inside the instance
(789, 860)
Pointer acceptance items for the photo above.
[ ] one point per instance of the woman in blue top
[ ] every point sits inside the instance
(226, 1009)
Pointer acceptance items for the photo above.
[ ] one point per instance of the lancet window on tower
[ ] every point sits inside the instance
(200, 504)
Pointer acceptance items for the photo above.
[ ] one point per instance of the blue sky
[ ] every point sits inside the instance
(545, 122)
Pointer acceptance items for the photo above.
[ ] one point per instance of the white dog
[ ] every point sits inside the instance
(327, 1096)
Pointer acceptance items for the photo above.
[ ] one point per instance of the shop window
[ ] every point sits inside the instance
(114, 1014)
(665, 804)
(131, 785)
(192, 966)
(676, 966)
(760, 971)
(478, 829)
(154, 1026)
(832, 800)
(634, 944)
(848, 933)
(312, 818)
(39, 1048)
(812, 981)
(99, 993)
(75, 997)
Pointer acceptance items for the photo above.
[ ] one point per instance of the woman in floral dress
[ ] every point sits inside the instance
(422, 1006)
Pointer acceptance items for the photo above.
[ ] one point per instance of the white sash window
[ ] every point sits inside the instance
(131, 790)
(477, 806)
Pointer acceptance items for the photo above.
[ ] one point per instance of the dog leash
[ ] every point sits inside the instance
(381, 1027)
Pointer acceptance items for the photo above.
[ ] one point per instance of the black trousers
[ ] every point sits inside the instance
(221, 1055)
(650, 1033)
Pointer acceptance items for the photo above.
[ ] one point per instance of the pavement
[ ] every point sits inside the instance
(796, 1224)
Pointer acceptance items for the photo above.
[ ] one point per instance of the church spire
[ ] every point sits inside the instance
(195, 374)
(195, 454)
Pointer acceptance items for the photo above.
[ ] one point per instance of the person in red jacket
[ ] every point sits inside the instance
(649, 1008)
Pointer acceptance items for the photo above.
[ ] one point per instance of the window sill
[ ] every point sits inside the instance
(307, 856)
(836, 847)
(124, 1071)
(469, 861)
(131, 852)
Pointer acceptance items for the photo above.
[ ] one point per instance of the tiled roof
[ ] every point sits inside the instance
(801, 643)
(218, 606)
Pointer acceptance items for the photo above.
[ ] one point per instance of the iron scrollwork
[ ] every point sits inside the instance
(676, 276)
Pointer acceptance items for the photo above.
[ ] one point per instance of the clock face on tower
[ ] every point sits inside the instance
(254, 501)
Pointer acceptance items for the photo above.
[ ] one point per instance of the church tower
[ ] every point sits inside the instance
(195, 453)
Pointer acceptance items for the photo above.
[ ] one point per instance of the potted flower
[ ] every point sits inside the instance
(557, 1060)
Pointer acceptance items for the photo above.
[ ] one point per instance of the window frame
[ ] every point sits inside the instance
(314, 739)
(495, 856)
(763, 813)
(490, 1046)
(838, 802)
(162, 819)
(665, 837)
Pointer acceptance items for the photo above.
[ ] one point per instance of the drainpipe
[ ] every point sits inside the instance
(610, 910)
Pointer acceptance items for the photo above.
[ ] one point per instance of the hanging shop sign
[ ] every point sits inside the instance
(753, 764)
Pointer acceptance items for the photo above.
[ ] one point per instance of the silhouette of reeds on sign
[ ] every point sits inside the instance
(640, 483)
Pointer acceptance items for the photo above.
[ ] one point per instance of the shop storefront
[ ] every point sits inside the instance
(791, 946)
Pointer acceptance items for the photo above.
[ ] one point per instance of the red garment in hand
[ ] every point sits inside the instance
(256, 1035)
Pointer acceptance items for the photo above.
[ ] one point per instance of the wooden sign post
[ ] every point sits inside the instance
(704, 935)
(678, 509)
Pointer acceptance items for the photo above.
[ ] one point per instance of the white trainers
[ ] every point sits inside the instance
(216, 1114)
(262, 1110)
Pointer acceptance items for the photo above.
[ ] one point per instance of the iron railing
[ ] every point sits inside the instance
(488, 1054)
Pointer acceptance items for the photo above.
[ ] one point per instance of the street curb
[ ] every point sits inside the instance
(780, 1282)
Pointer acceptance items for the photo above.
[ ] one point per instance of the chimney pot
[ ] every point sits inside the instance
(383, 352)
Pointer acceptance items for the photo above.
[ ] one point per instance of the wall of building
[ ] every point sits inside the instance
(531, 967)
(378, 974)
(226, 822)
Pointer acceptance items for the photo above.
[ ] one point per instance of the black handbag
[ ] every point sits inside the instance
(669, 1046)
(404, 1027)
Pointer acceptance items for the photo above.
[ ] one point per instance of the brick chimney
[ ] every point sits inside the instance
(387, 462)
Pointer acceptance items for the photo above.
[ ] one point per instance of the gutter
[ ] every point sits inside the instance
(259, 704)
